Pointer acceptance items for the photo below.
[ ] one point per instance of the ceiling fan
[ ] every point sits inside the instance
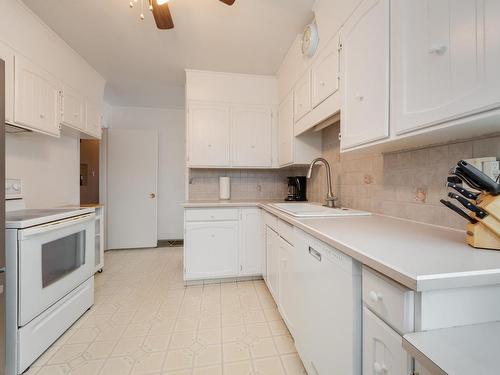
(161, 12)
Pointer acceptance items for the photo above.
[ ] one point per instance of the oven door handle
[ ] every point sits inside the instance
(56, 225)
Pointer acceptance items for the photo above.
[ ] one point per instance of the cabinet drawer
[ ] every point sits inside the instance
(285, 230)
(392, 302)
(210, 214)
(271, 221)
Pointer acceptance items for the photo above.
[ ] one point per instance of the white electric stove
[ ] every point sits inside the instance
(49, 275)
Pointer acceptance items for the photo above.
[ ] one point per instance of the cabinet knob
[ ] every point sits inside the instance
(152, 195)
(253, 146)
(375, 297)
(209, 145)
(42, 115)
(322, 83)
(379, 368)
(75, 114)
(437, 49)
(359, 97)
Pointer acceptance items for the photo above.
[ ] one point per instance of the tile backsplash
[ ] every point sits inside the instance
(405, 184)
(245, 184)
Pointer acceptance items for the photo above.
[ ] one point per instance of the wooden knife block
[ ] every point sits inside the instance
(485, 234)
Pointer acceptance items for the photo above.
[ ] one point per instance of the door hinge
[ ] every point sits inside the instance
(241, 268)
(340, 47)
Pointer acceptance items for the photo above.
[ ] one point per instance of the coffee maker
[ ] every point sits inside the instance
(297, 188)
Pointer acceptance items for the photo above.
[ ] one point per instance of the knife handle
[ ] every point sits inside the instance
(470, 206)
(459, 211)
(481, 179)
(466, 193)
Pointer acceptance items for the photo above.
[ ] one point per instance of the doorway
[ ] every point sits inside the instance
(89, 171)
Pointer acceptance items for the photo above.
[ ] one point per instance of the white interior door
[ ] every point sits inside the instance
(132, 188)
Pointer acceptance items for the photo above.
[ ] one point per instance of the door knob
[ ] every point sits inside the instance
(152, 195)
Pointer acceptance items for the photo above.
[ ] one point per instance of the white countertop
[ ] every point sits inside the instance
(420, 256)
(467, 350)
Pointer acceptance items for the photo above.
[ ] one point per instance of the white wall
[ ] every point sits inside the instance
(170, 124)
(23, 31)
(49, 168)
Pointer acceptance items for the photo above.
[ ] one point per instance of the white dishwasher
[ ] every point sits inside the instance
(328, 328)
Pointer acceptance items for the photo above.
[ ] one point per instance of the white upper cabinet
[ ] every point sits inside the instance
(302, 96)
(365, 48)
(93, 118)
(446, 58)
(209, 135)
(7, 55)
(325, 73)
(251, 131)
(36, 98)
(72, 109)
(285, 132)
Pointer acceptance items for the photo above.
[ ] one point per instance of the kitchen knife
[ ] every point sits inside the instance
(478, 177)
(459, 211)
(479, 212)
(454, 180)
(466, 193)
(458, 173)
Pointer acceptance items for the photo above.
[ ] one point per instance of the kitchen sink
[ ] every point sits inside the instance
(316, 210)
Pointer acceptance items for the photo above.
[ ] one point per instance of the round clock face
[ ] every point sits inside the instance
(310, 40)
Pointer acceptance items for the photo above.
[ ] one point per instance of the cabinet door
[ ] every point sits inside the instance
(36, 98)
(272, 262)
(73, 109)
(302, 97)
(251, 242)
(325, 73)
(93, 118)
(445, 59)
(211, 250)
(208, 135)
(7, 55)
(287, 286)
(252, 136)
(285, 132)
(382, 347)
(365, 48)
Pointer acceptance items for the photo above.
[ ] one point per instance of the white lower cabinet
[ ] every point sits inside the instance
(272, 262)
(383, 353)
(222, 243)
(251, 242)
(211, 250)
(287, 286)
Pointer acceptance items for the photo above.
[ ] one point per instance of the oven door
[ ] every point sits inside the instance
(53, 260)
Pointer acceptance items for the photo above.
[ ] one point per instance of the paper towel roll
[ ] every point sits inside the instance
(224, 188)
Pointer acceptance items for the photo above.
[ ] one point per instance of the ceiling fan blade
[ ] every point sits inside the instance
(162, 16)
(228, 2)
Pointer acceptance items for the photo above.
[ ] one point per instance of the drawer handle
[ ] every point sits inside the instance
(315, 254)
(380, 368)
(375, 297)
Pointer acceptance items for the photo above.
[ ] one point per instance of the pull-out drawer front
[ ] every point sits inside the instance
(211, 214)
(392, 302)
(285, 231)
(271, 221)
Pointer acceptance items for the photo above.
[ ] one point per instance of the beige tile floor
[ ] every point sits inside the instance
(146, 322)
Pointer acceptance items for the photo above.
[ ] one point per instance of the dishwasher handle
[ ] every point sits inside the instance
(315, 254)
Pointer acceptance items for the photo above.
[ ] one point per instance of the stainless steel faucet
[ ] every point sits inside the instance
(330, 198)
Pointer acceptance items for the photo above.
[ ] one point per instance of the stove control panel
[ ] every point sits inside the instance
(13, 188)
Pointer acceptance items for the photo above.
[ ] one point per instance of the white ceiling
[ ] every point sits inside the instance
(144, 66)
